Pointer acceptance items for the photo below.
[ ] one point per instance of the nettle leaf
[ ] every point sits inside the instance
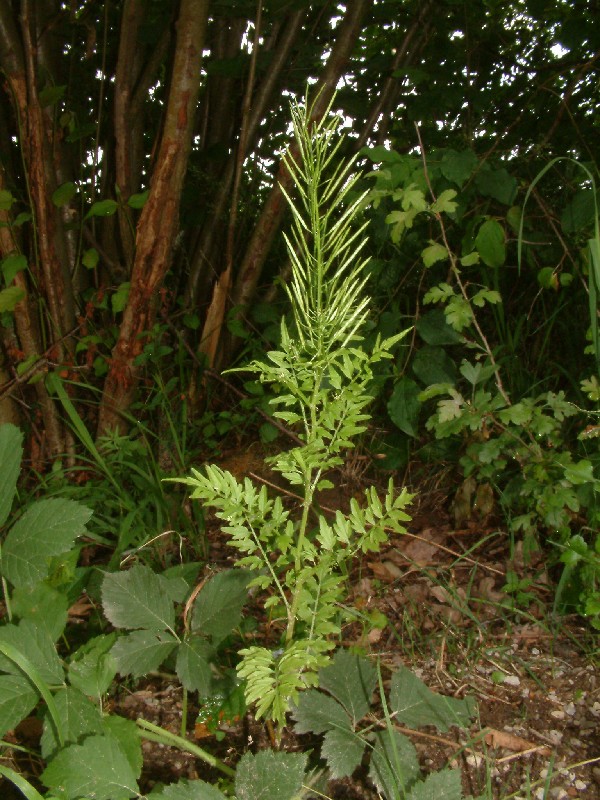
(77, 717)
(140, 652)
(48, 528)
(17, 698)
(317, 713)
(443, 785)
(343, 750)
(404, 406)
(97, 768)
(11, 453)
(415, 705)
(38, 648)
(268, 774)
(351, 679)
(92, 668)
(187, 790)
(137, 598)
(43, 605)
(193, 665)
(394, 763)
(218, 607)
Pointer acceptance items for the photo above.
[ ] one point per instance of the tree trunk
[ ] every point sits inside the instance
(158, 223)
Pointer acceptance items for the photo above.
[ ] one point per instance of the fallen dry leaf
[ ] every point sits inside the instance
(509, 741)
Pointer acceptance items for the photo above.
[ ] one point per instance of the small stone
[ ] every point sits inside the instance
(512, 680)
(557, 714)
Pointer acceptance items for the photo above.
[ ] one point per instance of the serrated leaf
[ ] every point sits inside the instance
(97, 768)
(38, 648)
(343, 751)
(415, 705)
(445, 202)
(193, 665)
(126, 732)
(64, 193)
(77, 717)
(394, 763)
(43, 605)
(11, 453)
(137, 598)
(92, 668)
(267, 775)
(187, 790)
(317, 713)
(351, 679)
(218, 607)
(10, 297)
(143, 651)
(443, 785)
(470, 259)
(17, 698)
(48, 528)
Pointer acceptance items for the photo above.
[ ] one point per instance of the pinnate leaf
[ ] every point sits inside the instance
(45, 606)
(351, 680)
(343, 750)
(394, 763)
(77, 717)
(218, 607)
(187, 790)
(137, 598)
(442, 785)
(269, 775)
(36, 645)
(415, 705)
(48, 528)
(140, 652)
(97, 768)
(193, 665)
(317, 713)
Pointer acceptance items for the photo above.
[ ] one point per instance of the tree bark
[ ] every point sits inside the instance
(158, 223)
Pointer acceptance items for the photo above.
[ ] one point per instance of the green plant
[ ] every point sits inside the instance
(324, 380)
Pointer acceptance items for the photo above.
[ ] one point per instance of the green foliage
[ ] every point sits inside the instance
(337, 709)
(323, 377)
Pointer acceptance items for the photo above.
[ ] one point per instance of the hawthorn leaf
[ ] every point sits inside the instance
(47, 528)
(97, 768)
(137, 598)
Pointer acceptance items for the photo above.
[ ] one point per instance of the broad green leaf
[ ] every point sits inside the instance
(579, 213)
(415, 705)
(458, 167)
(37, 646)
(90, 258)
(187, 790)
(380, 154)
(77, 717)
(433, 329)
(138, 200)
(12, 265)
(43, 605)
(64, 193)
(48, 528)
(97, 768)
(11, 452)
(10, 297)
(497, 183)
(343, 751)
(137, 598)
(433, 253)
(404, 406)
(490, 243)
(17, 698)
(50, 95)
(317, 712)
(127, 733)
(118, 299)
(140, 652)
(443, 785)
(351, 679)
(92, 668)
(193, 665)
(102, 208)
(470, 259)
(268, 775)
(218, 607)
(6, 200)
(433, 365)
(394, 763)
